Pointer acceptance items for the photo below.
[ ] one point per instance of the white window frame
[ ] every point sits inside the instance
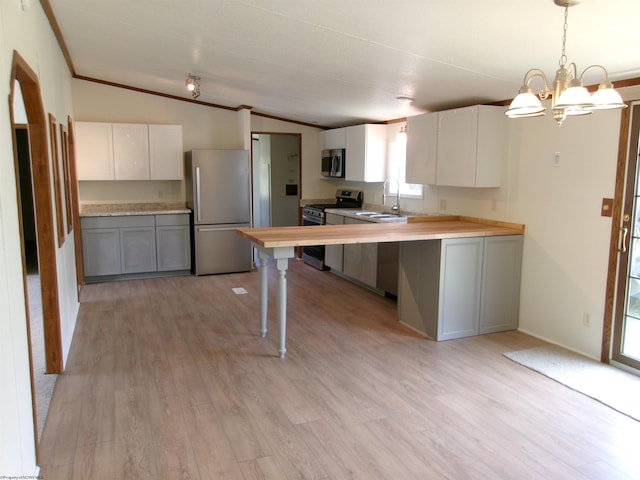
(396, 168)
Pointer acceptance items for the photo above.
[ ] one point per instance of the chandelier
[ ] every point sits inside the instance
(568, 96)
(193, 85)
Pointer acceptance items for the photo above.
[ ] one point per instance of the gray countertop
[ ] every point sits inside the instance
(118, 209)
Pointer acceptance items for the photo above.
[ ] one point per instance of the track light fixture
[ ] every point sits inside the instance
(569, 96)
(193, 85)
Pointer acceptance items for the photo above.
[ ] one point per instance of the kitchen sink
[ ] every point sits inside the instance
(367, 214)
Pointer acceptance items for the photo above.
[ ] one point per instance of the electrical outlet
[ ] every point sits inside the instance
(556, 159)
(443, 204)
(586, 320)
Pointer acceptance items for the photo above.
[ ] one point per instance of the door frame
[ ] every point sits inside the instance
(615, 303)
(45, 228)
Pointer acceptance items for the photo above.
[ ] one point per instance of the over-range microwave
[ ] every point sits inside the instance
(333, 162)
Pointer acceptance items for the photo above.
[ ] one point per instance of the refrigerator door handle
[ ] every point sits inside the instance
(221, 228)
(198, 193)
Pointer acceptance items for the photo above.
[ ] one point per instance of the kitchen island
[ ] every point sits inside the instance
(279, 243)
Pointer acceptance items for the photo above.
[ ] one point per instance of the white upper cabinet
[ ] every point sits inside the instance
(334, 138)
(94, 151)
(422, 138)
(366, 154)
(165, 152)
(120, 151)
(131, 151)
(470, 146)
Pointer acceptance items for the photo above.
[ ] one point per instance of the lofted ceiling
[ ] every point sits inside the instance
(340, 62)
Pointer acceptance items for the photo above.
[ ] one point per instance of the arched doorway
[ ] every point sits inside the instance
(45, 232)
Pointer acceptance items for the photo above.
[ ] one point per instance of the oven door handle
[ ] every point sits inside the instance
(312, 219)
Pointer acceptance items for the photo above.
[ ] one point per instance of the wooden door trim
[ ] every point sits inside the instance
(75, 200)
(46, 232)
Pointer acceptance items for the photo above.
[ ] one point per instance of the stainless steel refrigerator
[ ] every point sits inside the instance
(218, 185)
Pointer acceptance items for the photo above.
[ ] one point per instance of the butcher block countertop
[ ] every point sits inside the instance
(416, 228)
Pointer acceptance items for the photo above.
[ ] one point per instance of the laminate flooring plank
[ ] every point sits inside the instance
(339, 457)
(172, 448)
(245, 438)
(134, 447)
(97, 412)
(288, 445)
(211, 446)
(94, 462)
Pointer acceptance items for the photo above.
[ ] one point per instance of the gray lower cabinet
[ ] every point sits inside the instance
(460, 287)
(173, 242)
(333, 254)
(138, 249)
(360, 260)
(101, 251)
(117, 246)
(373, 264)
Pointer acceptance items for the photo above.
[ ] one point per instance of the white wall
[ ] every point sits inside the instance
(27, 32)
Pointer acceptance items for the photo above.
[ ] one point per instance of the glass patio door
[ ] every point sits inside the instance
(626, 328)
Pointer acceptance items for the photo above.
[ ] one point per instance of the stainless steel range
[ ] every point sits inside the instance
(313, 215)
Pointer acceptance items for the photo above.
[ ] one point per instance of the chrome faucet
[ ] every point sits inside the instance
(395, 208)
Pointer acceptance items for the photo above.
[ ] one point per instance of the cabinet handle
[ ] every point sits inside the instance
(198, 193)
(625, 232)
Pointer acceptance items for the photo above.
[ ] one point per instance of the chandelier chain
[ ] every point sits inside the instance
(563, 57)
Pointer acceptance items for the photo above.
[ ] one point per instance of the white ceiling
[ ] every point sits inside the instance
(339, 62)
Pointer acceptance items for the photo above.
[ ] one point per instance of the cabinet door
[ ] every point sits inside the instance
(360, 260)
(173, 248)
(131, 151)
(457, 141)
(334, 138)
(422, 141)
(501, 269)
(366, 153)
(138, 249)
(333, 254)
(165, 152)
(101, 251)
(460, 287)
(94, 151)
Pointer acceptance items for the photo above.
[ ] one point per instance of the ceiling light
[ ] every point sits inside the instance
(193, 85)
(568, 97)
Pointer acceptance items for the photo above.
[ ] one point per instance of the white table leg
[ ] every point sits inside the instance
(281, 288)
(264, 284)
(281, 256)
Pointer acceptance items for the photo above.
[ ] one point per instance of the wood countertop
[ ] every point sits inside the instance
(416, 228)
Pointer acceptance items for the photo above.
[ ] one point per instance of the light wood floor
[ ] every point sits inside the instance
(168, 378)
